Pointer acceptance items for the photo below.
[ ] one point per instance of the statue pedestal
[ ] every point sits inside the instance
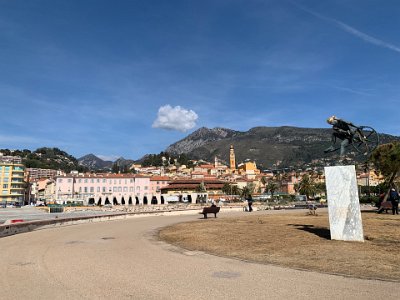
(343, 204)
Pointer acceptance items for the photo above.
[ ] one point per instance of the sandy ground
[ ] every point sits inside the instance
(124, 260)
(297, 240)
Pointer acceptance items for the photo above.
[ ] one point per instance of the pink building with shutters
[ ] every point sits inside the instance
(102, 189)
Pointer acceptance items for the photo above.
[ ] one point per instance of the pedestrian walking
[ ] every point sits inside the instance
(250, 203)
(394, 198)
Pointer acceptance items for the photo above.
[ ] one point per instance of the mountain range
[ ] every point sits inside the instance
(269, 146)
(92, 162)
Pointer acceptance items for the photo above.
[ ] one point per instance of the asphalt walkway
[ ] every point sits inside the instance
(31, 213)
(122, 260)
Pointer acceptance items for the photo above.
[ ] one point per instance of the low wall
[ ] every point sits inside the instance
(21, 227)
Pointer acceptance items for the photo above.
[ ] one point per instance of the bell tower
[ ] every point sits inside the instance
(232, 158)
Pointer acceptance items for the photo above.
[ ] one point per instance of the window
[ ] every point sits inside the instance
(145, 188)
(119, 189)
(98, 180)
(5, 192)
(132, 180)
(138, 188)
(131, 189)
(92, 180)
(80, 189)
(80, 180)
(69, 180)
(91, 189)
(104, 180)
(98, 189)
(125, 189)
(119, 181)
(85, 180)
(115, 189)
(60, 180)
(5, 186)
(104, 189)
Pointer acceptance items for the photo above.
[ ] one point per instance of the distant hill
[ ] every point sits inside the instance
(268, 146)
(92, 162)
(46, 158)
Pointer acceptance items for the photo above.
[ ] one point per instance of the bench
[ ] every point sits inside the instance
(387, 205)
(210, 210)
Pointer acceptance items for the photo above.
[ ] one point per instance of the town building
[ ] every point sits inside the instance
(370, 178)
(194, 190)
(157, 183)
(43, 190)
(34, 174)
(11, 180)
(103, 189)
(248, 169)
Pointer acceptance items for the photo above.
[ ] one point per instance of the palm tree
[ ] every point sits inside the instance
(245, 192)
(263, 181)
(235, 190)
(271, 187)
(307, 186)
(320, 188)
(201, 188)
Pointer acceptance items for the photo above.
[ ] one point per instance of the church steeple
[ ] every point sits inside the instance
(232, 159)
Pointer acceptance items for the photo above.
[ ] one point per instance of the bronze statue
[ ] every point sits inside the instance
(364, 139)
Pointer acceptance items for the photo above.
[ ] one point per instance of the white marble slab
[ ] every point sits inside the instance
(343, 204)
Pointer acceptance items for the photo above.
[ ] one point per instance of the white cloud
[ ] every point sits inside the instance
(175, 118)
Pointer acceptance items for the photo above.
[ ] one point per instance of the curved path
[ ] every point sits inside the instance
(122, 260)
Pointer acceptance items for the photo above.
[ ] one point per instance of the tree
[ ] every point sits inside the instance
(235, 190)
(271, 187)
(386, 159)
(263, 180)
(245, 193)
(307, 186)
(251, 186)
(201, 188)
(115, 168)
(320, 188)
(227, 188)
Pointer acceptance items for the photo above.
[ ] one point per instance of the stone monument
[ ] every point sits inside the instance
(343, 203)
(341, 181)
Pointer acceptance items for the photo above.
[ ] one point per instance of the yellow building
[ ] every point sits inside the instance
(249, 169)
(11, 180)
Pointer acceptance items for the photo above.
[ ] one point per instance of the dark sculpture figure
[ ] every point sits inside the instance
(364, 139)
(342, 130)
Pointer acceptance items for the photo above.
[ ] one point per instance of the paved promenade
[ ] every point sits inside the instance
(123, 260)
(30, 213)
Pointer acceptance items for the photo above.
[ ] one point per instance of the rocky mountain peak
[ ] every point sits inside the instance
(199, 138)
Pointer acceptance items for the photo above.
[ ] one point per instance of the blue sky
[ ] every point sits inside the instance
(126, 78)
